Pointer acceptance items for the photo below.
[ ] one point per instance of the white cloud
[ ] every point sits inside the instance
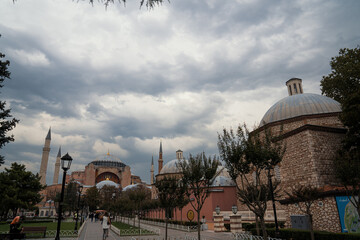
(29, 58)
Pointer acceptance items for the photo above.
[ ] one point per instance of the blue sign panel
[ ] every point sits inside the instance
(348, 214)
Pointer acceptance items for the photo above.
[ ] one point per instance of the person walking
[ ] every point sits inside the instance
(91, 215)
(105, 222)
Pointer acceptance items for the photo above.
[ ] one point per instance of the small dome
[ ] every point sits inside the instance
(106, 182)
(300, 105)
(133, 186)
(170, 167)
(222, 171)
(222, 181)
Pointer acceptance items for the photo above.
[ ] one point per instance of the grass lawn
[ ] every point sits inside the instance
(49, 225)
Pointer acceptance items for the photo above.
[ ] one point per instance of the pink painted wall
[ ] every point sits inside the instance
(224, 197)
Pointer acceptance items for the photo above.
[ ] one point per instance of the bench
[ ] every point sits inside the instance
(41, 230)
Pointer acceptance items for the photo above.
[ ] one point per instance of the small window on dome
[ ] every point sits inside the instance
(295, 88)
(300, 88)
(290, 90)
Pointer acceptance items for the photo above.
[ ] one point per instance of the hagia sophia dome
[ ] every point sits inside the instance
(299, 104)
(108, 160)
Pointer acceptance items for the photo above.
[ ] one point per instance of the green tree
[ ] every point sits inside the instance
(92, 198)
(107, 200)
(19, 189)
(6, 123)
(343, 85)
(249, 159)
(70, 197)
(197, 175)
(305, 197)
(170, 192)
(138, 195)
(344, 78)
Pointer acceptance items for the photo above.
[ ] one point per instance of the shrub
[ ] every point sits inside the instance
(297, 234)
(249, 226)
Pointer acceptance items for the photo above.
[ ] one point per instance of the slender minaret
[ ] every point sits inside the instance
(160, 161)
(45, 158)
(152, 171)
(57, 168)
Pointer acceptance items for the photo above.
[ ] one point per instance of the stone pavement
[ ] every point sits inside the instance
(93, 231)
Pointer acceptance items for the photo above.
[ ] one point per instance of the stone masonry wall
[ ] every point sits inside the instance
(325, 214)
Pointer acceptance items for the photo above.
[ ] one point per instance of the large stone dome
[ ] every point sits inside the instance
(300, 105)
(170, 167)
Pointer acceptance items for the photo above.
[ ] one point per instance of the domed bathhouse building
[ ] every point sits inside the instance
(222, 193)
(310, 128)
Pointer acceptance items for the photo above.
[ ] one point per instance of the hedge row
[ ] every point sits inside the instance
(249, 226)
(184, 223)
(297, 234)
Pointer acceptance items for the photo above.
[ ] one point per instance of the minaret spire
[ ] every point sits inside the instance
(57, 167)
(152, 171)
(45, 158)
(160, 161)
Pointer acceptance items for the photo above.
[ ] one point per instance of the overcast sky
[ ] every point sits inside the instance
(124, 78)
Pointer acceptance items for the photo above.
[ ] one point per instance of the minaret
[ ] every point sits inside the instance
(57, 168)
(160, 161)
(45, 158)
(152, 171)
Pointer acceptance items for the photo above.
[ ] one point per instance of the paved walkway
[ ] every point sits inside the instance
(93, 231)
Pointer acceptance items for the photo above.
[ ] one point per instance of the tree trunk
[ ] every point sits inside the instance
(181, 215)
(166, 227)
(311, 227)
(257, 225)
(263, 227)
(198, 224)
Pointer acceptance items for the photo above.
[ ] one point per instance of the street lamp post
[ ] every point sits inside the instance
(273, 202)
(80, 188)
(114, 198)
(65, 165)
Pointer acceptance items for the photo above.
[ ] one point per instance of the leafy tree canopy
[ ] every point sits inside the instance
(198, 173)
(344, 78)
(343, 85)
(249, 159)
(19, 189)
(148, 3)
(92, 198)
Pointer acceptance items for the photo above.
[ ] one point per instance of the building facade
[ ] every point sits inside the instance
(310, 128)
